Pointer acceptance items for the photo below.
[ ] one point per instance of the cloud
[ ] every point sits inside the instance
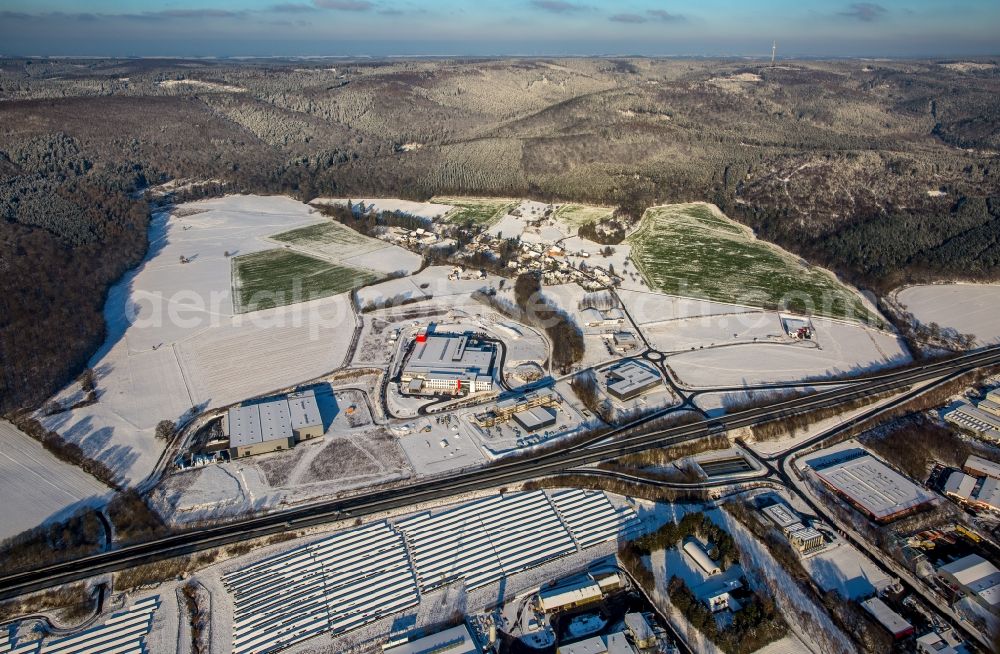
(14, 15)
(391, 12)
(665, 16)
(292, 8)
(195, 13)
(345, 5)
(557, 6)
(628, 18)
(864, 11)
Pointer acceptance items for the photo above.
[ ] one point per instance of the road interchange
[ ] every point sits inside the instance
(604, 446)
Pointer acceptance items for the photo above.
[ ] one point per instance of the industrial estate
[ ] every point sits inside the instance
(582, 411)
(548, 348)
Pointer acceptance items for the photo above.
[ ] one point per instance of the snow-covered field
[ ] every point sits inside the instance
(968, 308)
(837, 348)
(708, 331)
(421, 209)
(36, 486)
(173, 341)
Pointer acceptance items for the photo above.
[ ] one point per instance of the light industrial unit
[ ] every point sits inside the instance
(803, 538)
(456, 640)
(631, 379)
(893, 622)
(272, 424)
(977, 578)
(535, 418)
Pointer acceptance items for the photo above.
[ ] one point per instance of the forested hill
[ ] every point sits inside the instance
(884, 171)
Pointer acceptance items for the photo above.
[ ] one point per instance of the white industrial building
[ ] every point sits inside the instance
(572, 596)
(977, 466)
(456, 640)
(615, 643)
(272, 424)
(698, 554)
(977, 578)
(983, 493)
(631, 379)
(894, 623)
(448, 363)
(978, 419)
(870, 485)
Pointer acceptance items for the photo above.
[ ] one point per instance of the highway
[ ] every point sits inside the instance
(609, 445)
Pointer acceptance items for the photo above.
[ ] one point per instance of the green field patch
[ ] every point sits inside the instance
(692, 251)
(274, 278)
(481, 211)
(575, 215)
(330, 238)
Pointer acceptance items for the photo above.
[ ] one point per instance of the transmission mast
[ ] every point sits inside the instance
(774, 49)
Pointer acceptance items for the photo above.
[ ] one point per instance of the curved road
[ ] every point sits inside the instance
(617, 442)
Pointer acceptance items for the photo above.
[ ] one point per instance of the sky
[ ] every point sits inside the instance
(227, 28)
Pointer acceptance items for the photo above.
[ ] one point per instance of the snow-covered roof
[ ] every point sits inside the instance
(259, 422)
(960, 485)
(637, 624)
(456, 640)
(303, 409)
(978, 575)
(871, 484)
(889, 619)
(449, 353)
(591, 316)
(933, 642)
(781, 514)
(595, 645)
(555, 598)
(631, 377)
(698, 554)
(989, 493)
(981, 466)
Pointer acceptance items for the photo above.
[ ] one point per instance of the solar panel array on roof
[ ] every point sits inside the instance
(123, 633)
(486, 540)
(333, 585)
(354, 578)
(591, 518)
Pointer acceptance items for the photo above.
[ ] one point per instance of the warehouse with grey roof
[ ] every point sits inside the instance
(272, 424)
